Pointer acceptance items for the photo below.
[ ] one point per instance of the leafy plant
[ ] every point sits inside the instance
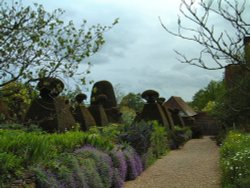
(138, 136)
(11, 166)
(31, 148)
(158, 140)
(235, 160)
(182, 134)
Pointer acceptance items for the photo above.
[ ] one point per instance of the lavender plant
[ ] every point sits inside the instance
(134, 163)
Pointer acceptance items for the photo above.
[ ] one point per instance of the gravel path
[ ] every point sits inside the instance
(194, 166)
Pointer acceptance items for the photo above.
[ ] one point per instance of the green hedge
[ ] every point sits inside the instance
(235, 160)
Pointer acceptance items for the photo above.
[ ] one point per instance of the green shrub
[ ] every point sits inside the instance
(30, 128)
(149, 140)
(148, 158)
(138, 136)
(158, 140)
(182, 134)
(235, 160)
(11, 166)
(110, 132)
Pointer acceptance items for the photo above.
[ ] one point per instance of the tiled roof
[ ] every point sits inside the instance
(178, 103)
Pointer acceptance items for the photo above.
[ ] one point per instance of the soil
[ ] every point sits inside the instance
(196, 165)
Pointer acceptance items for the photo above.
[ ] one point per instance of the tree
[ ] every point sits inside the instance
(204, 98)
(219, 48)
(18, 97)
(36, 44)
(133, 101)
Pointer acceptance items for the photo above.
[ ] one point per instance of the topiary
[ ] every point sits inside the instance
(150, 96)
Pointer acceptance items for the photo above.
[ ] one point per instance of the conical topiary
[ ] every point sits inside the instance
(51, 112)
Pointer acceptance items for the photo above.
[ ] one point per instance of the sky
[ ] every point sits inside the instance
(138, 53)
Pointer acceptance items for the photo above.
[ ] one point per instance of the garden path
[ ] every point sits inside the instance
(196, 165)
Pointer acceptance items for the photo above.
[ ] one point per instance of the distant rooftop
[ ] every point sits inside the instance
(178, 103)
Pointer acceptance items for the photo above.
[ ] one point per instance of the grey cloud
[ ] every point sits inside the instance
(138, 53)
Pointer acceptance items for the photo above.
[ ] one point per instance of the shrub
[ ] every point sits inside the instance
(149, 140)
(110, 132)
(103, 163)
(196, 131)
(134, 163)
(11, 166)
(148, 158)
(235, 160)
(158, 140)
(119, 162)
(138, 136)
(31, 148)
(182, 134)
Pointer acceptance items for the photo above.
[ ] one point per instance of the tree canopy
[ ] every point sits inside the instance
(133, 101)
(35, 43)
(204, 98)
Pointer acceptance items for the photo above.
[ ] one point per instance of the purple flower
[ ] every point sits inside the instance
(119, 162)
(102, 160)
(134, 163)
(118, 182)
(139, 165)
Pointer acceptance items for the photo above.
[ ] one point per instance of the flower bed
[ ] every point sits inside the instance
(98, 158)
(235, 160)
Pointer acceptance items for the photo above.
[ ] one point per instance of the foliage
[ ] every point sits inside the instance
(109, 132)
(104, 165)
(235, 160)
(30, 128)
(133, 101)
(79, 159)
(232, 109)
(29, 148)
(18, 97)
(138, 136)
(90, 167)
(158, 140)
(148, 158)
(31, 37)
(128, 115)
(119, 161)
(209, 107)
(182, 134)
(204, 98)
(11, 165)
(149, 140)
(134, 163)
(219, 46)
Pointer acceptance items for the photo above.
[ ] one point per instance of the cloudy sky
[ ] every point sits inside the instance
(138, 53)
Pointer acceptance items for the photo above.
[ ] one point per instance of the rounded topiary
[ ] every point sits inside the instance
(80, 98)
(150, 96)
(106, 88)
(50, 87)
